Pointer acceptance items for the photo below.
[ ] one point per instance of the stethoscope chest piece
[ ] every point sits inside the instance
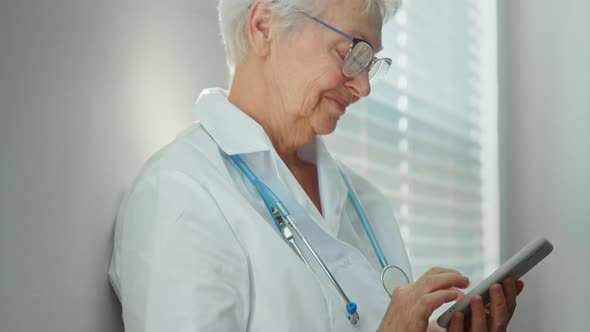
(393, 277)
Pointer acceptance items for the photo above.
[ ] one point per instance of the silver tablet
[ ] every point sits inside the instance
(514, 268)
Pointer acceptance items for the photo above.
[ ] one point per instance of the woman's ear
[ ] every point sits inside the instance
(259, 27)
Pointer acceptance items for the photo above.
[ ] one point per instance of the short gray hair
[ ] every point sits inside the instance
(233, 17)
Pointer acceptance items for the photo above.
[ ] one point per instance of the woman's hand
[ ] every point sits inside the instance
(411, 305)
(493, 317)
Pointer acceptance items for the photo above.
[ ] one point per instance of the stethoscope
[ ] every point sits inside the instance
(391, 276)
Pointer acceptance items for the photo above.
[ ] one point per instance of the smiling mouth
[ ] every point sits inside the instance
(340, 103)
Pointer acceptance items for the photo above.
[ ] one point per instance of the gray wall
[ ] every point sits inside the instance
(545, 144)
(88, 90)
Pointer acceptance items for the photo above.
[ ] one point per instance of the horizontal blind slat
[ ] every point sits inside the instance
(345, 142)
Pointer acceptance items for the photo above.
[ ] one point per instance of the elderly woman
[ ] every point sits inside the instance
(205, 240)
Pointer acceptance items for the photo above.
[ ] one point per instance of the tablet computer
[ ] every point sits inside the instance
(515, 267)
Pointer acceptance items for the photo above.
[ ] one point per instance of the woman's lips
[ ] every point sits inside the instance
(340, 103)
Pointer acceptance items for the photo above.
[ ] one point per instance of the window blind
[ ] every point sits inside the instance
(425, 135)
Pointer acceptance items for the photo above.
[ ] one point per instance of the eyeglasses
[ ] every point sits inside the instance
(360, 56)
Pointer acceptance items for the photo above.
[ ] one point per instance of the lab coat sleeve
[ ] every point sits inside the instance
(179, 265)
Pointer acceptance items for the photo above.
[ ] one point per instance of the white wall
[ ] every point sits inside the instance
(545, 139)
(88, 90)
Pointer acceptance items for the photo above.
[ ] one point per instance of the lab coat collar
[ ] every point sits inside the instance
(237, 133)
(233, 130)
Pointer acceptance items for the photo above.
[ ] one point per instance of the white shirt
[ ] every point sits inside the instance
(196, 250)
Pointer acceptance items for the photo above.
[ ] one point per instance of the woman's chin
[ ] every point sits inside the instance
(327, 127)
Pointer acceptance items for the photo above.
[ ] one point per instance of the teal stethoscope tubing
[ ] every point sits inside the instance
(274, 206)
(271, 199)
(363, 218)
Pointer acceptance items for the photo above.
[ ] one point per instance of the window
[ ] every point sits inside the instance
(427, 134)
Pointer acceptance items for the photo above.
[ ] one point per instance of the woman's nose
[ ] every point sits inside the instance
(359, 84)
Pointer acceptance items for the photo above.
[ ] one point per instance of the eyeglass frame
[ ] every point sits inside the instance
(355, 41)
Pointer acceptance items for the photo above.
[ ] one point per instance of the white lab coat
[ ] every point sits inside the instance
(196, 250)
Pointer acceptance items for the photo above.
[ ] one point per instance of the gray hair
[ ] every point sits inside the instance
(233, 17)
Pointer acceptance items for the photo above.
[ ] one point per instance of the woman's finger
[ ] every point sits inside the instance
(510, 295)
(459, 292)
(519, 285)
(509, 289)
(439, 270)
(444, 280)
(498, 309)
(430, 302)
(479, 321)
(456, 324)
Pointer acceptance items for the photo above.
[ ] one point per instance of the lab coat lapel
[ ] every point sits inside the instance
(333, 192)
(332, 189)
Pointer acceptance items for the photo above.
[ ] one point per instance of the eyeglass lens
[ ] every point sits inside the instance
(361, 56)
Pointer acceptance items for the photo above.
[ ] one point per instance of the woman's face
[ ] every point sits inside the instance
(306, 66)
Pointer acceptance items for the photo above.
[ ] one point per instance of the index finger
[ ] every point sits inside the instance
(445, 280)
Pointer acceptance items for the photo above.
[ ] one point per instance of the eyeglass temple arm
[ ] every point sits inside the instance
(344, 34)
(329, 26)
(321, 22)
